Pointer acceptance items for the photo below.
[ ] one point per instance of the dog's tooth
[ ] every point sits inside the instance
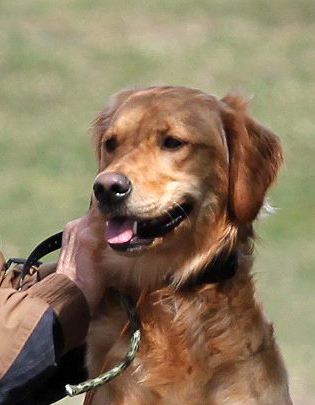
(135, 227)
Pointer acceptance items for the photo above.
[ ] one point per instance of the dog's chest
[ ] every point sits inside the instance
(175, 361)
(192, 352)
(162, 370)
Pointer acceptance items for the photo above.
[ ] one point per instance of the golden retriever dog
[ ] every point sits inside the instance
(182, 176)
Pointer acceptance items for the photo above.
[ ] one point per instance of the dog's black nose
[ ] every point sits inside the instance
(112, 188)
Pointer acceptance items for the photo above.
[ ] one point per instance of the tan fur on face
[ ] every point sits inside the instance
(210, 344)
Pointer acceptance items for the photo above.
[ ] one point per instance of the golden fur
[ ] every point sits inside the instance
(210, 344)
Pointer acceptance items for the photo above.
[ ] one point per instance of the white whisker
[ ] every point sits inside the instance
(185, 213)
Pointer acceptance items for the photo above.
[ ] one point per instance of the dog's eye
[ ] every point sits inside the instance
(169, 142)
(111, 144)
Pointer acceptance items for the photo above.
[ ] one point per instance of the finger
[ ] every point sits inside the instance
(95, 221)
(70, 228)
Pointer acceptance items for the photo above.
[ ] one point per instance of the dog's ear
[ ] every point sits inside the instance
(255, 158)
(102, 121)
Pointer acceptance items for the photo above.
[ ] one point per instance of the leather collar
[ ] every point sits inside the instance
(222, 268)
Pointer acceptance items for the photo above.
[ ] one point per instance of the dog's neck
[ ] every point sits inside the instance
(181, 272)
(222, 267)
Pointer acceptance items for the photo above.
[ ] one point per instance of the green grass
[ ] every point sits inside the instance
(60, 61)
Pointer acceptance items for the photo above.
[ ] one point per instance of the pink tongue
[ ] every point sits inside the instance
(119, 231)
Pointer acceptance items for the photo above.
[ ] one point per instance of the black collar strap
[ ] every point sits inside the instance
(223, 267)
(49, 245)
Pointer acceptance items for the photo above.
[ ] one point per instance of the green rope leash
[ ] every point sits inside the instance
(135, 325)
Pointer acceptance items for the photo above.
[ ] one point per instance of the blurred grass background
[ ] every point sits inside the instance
(59, 62)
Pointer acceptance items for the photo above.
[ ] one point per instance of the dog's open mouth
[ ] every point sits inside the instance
(126, 233)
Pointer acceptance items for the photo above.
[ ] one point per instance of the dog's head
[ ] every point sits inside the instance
(180, 173)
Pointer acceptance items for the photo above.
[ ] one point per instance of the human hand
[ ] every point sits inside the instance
(82, 246)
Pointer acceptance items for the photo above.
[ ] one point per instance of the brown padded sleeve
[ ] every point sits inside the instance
(19, 315)
(68, 302)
